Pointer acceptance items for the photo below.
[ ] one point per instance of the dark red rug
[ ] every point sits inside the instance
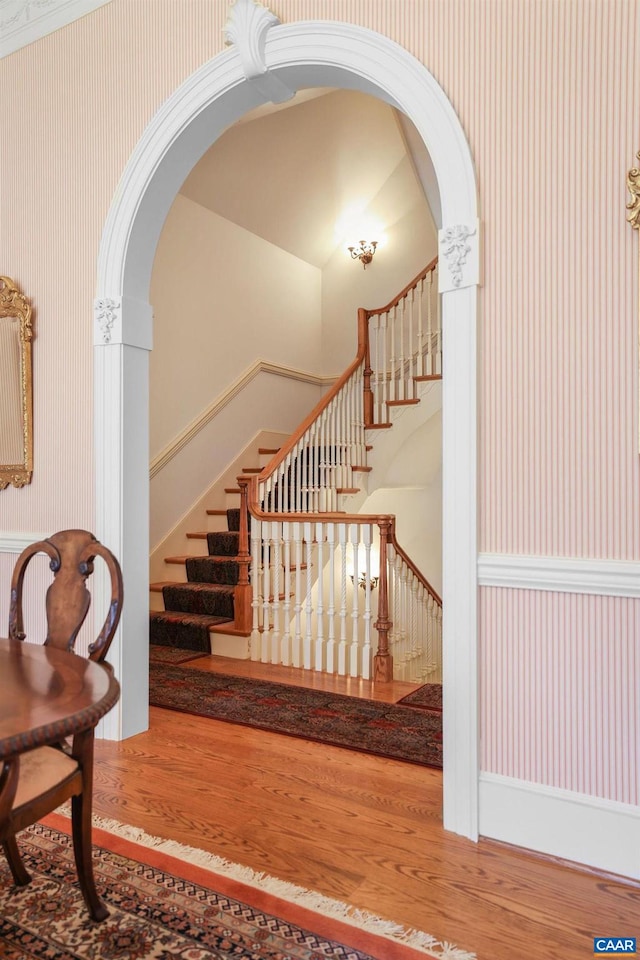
(389, 730)
(426, 697)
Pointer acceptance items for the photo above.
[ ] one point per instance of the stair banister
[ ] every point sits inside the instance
(289, 446)
(403, 293)
(294, 502)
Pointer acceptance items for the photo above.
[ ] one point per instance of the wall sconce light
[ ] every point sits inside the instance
(363, 251)
(362, 581)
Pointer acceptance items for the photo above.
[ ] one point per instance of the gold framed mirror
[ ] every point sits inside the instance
(16, 386)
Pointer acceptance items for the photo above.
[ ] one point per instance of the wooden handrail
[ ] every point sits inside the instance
(396, 300)
(362, 355)
(416, 572)
(299, 432)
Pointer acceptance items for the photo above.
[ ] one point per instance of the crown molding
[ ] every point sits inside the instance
(25, 21)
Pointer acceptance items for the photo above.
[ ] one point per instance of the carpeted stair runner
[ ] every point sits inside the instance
(206, 600)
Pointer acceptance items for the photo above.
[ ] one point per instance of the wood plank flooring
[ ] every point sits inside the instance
(360, 828)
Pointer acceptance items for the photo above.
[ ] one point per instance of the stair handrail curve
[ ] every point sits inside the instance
(294, 458)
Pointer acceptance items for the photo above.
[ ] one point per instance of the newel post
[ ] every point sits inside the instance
(363, 338)
(242, 593)
(383, 661)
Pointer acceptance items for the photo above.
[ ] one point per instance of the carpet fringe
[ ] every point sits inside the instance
(312, 900)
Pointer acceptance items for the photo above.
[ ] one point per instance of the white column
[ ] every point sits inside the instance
(121, 382)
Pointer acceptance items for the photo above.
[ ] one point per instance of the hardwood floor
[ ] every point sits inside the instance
(360, 828)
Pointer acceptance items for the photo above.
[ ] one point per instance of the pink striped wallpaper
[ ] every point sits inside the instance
(548, 92)
(560, 692)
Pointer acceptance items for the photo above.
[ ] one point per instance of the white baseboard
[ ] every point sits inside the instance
(595, 832)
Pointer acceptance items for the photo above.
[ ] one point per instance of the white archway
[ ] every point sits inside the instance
(267, 61)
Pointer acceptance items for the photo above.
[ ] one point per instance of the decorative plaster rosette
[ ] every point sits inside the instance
(106, 313)
(456, 249)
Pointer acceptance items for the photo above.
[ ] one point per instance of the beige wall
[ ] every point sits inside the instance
(411, 242)
(222, 298)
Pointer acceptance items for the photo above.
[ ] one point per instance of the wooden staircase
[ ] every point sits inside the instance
(205, 596)
(302, 510)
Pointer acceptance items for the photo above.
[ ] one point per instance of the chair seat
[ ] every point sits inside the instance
(41, 770)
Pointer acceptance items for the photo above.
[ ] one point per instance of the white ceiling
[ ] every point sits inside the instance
(289, 174)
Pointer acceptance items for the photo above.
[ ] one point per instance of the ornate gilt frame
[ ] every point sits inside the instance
(633, 206)
(13, 303)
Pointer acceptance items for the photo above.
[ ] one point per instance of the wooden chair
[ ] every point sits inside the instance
(50, 775)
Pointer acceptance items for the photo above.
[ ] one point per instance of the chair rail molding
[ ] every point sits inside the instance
(233, 390)
(608, 578)
(25, 21)
(17, 542)
(300, 54)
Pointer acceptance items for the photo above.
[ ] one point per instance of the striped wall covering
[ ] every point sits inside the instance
(548, 92)
(559, 689)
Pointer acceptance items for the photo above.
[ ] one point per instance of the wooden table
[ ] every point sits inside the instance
(47, 695)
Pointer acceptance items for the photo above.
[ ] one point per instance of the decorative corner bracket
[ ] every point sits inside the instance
(108, 315)
(247, 27)
(459, 256)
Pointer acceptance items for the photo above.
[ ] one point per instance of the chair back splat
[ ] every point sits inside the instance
(71, 554)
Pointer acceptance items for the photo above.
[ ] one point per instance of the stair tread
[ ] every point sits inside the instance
(193, 584)
(265, 450)
(428, 376)
(203, 618)
(216, 512)
(232, 490)
(199, 535)
(252, 469)
(347, 489)
(377, 426)
(362, 469)
(216, 557)
(402, 403)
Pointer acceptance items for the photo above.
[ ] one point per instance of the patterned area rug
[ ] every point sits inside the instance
(389, 730)
(427, 697)
(164, 908)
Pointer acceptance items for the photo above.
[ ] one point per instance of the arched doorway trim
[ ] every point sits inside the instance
(297, 55)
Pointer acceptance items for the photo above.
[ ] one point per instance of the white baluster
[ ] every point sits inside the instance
(319, 644)
(386, 378)
(331, 610)
(355, 613)
(342, 646)
(308, 635)
(266, 591)
(256, 633)
(365, 671)
(430, 363)
(297, 606)
(402, 360)
(275, 631)
(286, 610)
